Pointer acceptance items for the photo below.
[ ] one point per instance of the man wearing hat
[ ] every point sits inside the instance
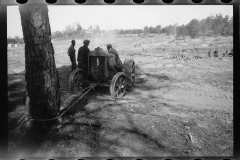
(114, 59)
(71, 54)
(83, 56)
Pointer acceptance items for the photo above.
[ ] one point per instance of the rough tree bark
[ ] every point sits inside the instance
(43, 87)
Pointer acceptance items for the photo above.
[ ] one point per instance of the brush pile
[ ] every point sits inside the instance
(185, 57)
(227, 54)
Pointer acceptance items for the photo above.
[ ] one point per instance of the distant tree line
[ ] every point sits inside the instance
(151, 30)
(145, 30)
(130, 31)
(212, 25)
(76, 30)
(15, 40)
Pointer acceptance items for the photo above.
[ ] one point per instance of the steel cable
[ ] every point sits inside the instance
(42, 120)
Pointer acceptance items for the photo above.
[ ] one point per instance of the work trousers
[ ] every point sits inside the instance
(82, 65)
(73, 60)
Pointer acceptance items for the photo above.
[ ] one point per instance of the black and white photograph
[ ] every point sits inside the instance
(120, 80)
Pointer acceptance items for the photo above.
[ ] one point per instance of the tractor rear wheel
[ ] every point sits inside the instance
(76, 80)
(118, 85)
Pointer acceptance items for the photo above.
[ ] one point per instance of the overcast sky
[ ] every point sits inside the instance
(110, 17)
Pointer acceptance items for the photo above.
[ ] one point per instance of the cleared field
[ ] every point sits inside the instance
(178, 107)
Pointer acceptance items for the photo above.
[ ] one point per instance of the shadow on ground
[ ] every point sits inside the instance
(94, 127)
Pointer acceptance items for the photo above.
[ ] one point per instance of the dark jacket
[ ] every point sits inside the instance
(83, 54)
(71, 51)
(118, 61)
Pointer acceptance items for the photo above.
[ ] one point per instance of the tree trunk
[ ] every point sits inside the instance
(43, 87)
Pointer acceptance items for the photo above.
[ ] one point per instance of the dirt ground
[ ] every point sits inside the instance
(177, 107)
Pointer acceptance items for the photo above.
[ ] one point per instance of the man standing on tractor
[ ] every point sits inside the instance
(83, 56)
(114, 61)
(71, 54)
